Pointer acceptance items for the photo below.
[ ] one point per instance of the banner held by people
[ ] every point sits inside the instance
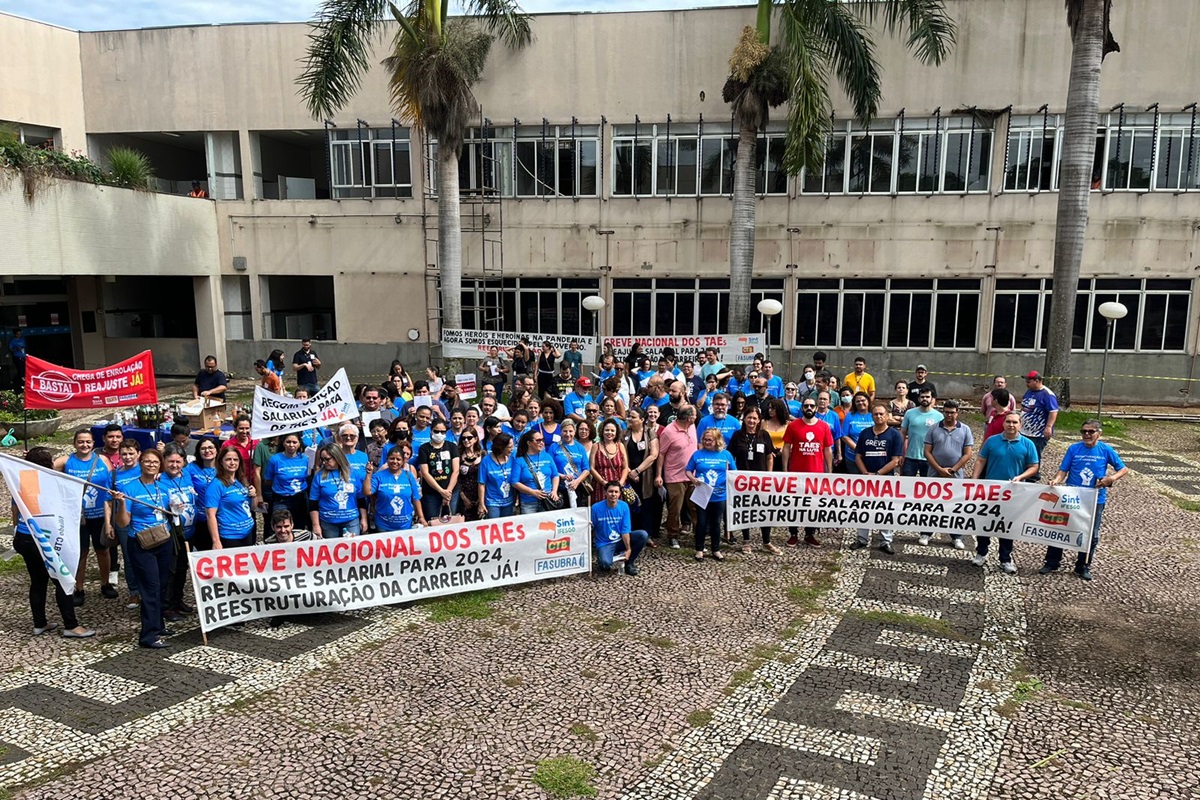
(464, 343)
(1060, 516)
(275, 415)
(126, 383)
(246, 583)
(731, 348)
(50, 503)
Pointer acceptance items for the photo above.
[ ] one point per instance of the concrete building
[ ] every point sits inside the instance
(603, 164)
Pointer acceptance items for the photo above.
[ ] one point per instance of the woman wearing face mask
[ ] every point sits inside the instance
(900, 405)
(396, 494)
(846, 397)
(152, 565)
(437, 462)
(287, 474)
(181, 497)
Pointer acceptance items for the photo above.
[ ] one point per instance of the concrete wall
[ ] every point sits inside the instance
(363, 362)
(171, 356)
(42, 81)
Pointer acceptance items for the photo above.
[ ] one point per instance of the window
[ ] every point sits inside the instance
(370, 162)
(888, 312)
(529, 305)
(1157, 320)
(686, 159)
(530, 161)
(905, 156)
(687, 306)
(1029, 165)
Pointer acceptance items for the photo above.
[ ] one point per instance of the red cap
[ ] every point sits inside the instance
(1034, 376)
(584, 382)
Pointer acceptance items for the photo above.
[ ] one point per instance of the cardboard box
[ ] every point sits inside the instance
(203, 415)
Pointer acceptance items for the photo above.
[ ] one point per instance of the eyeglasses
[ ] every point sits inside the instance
(538, 440)
(1088, 431)
(349, 436)
(807, 405)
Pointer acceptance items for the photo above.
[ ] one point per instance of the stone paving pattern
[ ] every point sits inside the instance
(387, 703)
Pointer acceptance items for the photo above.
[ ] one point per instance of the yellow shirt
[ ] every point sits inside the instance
(860, 383)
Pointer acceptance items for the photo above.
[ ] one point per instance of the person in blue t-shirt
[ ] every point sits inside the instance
(95, 525)
(335, 492)
(612, 531)
(128, 471)
(774, 382)
(574, 358)
(152, 565)
(719, 419)
(228, 501)
(535, 476)
(495, 479)
(287, 473)
(857, 421)
(201, 472)
(879, 451)
(708, 465)
(1008, 457)
(573, 463)
(182, 500)
(397, 494)
(576, 400)
(1086, 464)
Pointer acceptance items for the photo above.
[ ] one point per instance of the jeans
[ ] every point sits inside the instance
(1039, 444)
(1006, 547)
(235, 543)
(39, 580)
(336, 530)
(433, 504)
(887, 534)
(605, 552)
(130, 578)
(677, 493)
(708, 524)
(496, 512)
(915, 467)
(1084, 557)
(530, 505)
(153, 568)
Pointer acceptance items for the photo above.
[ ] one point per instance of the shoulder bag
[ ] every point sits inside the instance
(552, 502)
(155, 535)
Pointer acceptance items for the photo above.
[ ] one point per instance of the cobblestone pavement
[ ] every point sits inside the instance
(918, 677)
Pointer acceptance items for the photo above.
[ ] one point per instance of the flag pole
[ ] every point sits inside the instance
(58, 474)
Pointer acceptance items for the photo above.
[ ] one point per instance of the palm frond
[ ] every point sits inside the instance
(850, 53)
(930, 30)
(339, 50)
(809, 114)
(504, 19)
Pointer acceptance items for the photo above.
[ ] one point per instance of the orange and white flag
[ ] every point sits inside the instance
(50, 504)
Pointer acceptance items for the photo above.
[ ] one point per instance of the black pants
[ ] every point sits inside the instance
(39, 578)
(295, 503)
(153, 568)
(650, 514)
(179, 573)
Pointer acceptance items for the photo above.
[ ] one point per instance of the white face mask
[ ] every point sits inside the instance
(846, 399)
(437, 438)
(808, 376)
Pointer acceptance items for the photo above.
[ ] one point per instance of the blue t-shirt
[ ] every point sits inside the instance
(358, 468)
(496, 479)
(711, 369)
(578, 455)
(610, 524)
(728, 427)
(234, 519)
(710, 467)
(877, 450)
(795, 410)
(775, 386)
(396, 497)
(143, 516)
(830, 418)
(917, 424)
(288, 476)
(201, 477)
(96, 472)
(16, 346)
(1085, 465)
(1035, 411)
(180, 496)
(575, 359)
(1007, 458)
(644, 375)
(856, 423)
(543, 464)
(574, 403)
(603, 375)
(123, 476)
(419, 437)
(552, 437)
(336, 499)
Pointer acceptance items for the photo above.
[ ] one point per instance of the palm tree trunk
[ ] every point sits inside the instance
(1074, 185)
(741, 233)
(449, 238)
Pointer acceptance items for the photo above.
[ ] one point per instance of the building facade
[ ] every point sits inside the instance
(602, 164)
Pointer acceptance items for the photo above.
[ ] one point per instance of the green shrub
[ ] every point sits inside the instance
(12, 409)
(130, 168)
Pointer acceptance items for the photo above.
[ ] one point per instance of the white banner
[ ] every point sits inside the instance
(466, 386)
(51, 504)
(731, 348)
(462, 343)
(275, 415)
(1027, 512)
(237, 585)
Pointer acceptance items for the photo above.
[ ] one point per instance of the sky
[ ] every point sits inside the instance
(94, 15)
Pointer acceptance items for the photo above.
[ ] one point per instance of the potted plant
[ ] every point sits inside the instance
(26, 424)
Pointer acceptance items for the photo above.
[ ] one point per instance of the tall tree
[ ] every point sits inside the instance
(1091, 41)
(817, 39)
(435, 63)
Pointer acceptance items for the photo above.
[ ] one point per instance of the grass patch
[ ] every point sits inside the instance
(11, 565)
(513, 681)
(565, 776)
(660, 641)
(809, 596)
(1026, 688)
(469, 605)
(1075, 704)
(1186, 505)
(611, 625)
(583, 732)
(698, 719)
(1073, 420)
(589, 673)
(936, 626)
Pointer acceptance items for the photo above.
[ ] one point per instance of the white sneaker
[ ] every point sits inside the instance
(959, 544)
(922, 539)
(1009, 568)
(979, 561)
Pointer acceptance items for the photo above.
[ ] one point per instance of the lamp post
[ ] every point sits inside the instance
(595, 304)
(768, 308)
(1111, 311)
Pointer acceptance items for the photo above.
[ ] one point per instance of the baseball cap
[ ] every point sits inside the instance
(1034, 376)
(584, 382)
(922, 366)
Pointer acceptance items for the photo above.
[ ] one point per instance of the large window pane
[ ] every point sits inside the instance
(710, 166)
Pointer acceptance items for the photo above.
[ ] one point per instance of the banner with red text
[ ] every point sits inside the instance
(464, 343)
(246, 583)
(732, 348)
(126, 383)
(1028, 512)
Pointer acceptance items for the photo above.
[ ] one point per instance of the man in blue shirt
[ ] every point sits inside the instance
(612, 531)
(574, 358)
(719, 419)
(16, 349)
(774, 382)
(575, 403)
(693, 384)
(880, 451)
(1039, 412)
(1008, 457)
(1086, 464)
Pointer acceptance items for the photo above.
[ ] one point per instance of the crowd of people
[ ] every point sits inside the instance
(645, 444)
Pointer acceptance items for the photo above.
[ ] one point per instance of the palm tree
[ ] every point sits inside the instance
(817, 38)
(435, 62)
(1091, 41)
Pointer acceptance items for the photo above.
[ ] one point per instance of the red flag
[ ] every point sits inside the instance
(126, 383)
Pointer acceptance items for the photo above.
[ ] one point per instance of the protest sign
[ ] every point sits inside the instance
(126, 383)
(731, 348)
(461, 343)
(466, 386)
(275, 415)
(50, 503)
(246, 583)
(1029, 512)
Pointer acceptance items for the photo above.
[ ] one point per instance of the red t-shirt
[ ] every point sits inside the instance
(809, 443)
